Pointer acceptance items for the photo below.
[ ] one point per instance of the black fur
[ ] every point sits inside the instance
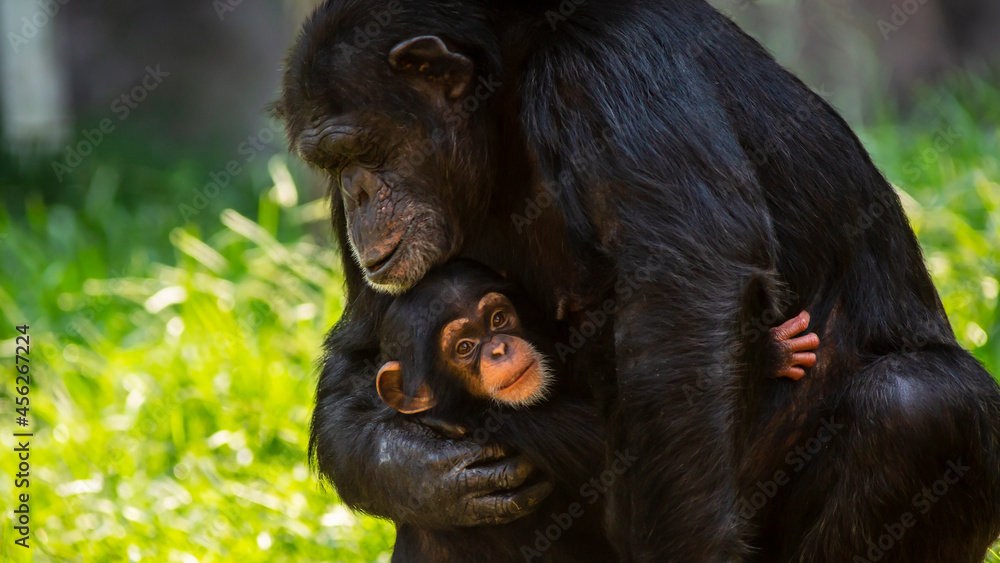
(691, 170)
(563, 437)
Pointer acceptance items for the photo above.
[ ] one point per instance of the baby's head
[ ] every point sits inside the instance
(463, 330)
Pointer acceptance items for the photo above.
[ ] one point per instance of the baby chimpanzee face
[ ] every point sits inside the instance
(486, 349)
(474, 340)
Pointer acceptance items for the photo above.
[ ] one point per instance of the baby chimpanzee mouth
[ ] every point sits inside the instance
(517, 378)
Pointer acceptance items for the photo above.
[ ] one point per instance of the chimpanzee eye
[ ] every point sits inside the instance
(464, 347)
(368, 160)
(499, 319)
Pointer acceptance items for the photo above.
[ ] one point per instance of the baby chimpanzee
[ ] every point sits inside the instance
(473, 354)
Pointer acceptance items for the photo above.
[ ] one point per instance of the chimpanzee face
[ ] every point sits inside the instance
(410, 178)
(487, 350)
(481, 346)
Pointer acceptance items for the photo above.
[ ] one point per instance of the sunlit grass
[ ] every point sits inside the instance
(171, 402)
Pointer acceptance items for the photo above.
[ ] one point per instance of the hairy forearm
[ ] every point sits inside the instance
(347, 429)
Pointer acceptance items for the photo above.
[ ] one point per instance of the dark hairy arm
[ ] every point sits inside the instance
(392, 466)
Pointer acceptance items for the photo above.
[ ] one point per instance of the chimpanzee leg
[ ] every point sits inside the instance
(911, 472)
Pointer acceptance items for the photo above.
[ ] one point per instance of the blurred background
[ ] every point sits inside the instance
(174, 264)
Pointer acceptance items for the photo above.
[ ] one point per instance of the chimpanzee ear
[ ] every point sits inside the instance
(428, 60)
(390, 389)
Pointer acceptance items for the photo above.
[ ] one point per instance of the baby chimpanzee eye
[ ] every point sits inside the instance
(464, 348)
(499, 319)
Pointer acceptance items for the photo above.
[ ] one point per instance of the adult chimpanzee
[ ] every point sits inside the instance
(470, 350)
(680, 179)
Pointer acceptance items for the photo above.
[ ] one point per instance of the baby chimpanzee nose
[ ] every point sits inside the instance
(499, 350)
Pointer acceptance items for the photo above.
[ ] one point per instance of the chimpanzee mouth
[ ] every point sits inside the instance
(517, 378)
(381, 265)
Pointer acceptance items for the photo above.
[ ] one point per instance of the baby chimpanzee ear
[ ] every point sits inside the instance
(428, 60)
(390, 389)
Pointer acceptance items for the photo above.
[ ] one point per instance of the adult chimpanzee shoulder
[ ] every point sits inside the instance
(652, 160)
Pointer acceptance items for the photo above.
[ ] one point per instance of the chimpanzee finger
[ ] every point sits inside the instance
(794, 373)
(464, 453)
(791, 327)
(804, 359)
(502, 509)
(445, 428)
(503, 475)
(802, 343)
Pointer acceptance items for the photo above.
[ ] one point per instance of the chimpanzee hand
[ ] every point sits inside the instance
(446, 480)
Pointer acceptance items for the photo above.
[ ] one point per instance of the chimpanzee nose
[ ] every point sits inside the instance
(359, 188)
(499, 350)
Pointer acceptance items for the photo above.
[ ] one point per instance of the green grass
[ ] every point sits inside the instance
(171, 401)
(174, 365)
